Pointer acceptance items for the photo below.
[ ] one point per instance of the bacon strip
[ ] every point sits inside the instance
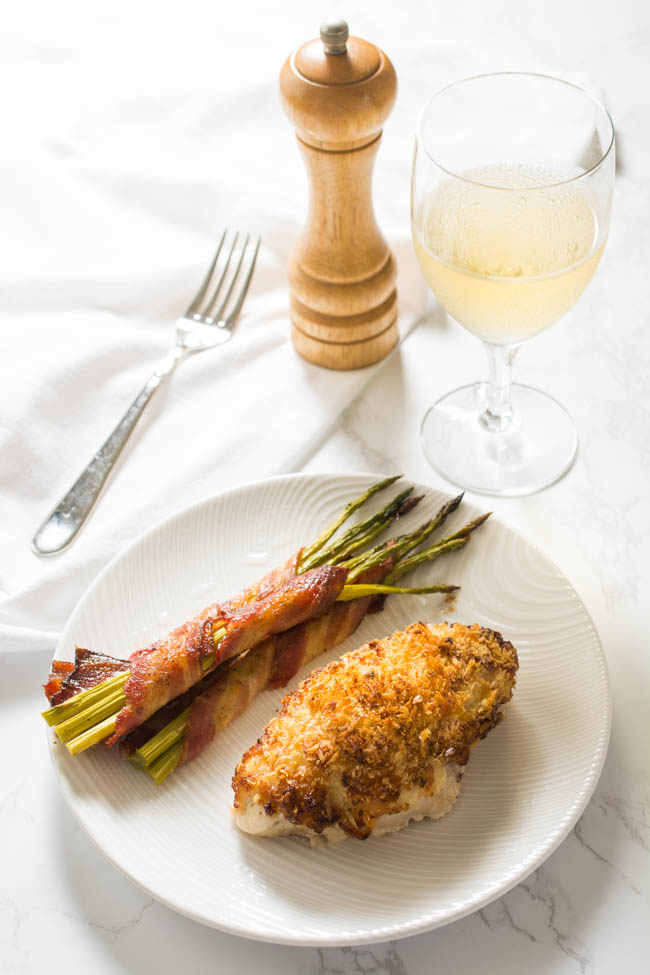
(228, 697)
(272, 664)
(171, 666)
(61, 670)
(161, 718)
(272, 580)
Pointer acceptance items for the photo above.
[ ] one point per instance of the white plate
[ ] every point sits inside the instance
(525, 786)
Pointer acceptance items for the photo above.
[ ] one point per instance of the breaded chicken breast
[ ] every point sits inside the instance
(378, 738)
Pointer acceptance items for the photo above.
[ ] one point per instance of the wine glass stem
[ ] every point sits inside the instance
(498, 414)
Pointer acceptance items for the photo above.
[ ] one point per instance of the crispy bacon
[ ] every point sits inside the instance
(89, 668)
(271, 664)
(61, 670)
(168, 668)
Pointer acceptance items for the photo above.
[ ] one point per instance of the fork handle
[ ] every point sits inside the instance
(65, 520)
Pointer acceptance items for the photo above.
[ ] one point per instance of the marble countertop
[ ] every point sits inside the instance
(65, 909)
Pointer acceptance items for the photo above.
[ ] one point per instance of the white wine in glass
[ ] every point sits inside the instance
(510, 215)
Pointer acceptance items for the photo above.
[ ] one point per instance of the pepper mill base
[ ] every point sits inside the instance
(345, 355)
(344, 324)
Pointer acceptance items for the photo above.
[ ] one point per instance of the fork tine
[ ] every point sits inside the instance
(218, 315)
(206, 313)
(199, 296)
(232, 317)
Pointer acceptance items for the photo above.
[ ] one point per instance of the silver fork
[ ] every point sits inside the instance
(201, 327)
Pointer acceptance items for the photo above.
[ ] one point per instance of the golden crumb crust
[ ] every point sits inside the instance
(361, 732)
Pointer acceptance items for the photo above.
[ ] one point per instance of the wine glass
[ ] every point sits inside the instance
(511, 195)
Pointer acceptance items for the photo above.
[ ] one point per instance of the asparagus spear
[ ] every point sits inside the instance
(349, 510)
(376, 589)
(450, 544)
(406, 542)
(358, 535)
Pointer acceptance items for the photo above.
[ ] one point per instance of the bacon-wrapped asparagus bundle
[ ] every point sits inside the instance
(108, 709)
(277, 660)
(90, 668)
(159, 673)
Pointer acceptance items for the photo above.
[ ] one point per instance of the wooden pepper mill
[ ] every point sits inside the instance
(338, 91)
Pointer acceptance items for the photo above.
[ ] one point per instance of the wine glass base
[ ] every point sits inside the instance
(536, 449)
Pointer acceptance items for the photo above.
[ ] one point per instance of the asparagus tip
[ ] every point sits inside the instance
(408, 505)
(451, 506)
(477, 522)
(387, 481)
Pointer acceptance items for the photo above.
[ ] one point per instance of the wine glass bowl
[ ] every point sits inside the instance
(510, 205)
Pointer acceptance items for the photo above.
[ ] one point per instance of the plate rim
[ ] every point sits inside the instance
(383, 933)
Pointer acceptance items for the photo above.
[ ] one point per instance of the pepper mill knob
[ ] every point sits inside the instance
(338, 91)
(334, 34)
